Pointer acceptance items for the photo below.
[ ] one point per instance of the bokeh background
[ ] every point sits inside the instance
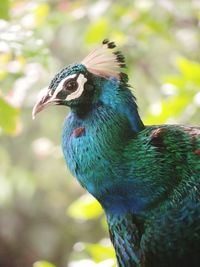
(46, 219)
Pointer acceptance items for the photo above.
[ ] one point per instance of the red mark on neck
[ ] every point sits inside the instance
(78, 132)
(157, 133)
(197, 152)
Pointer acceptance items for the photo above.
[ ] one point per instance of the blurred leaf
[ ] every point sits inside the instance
(4, 9)
(170, 108)
(41, 13)
(189, 69)
(43, 264)
(187, 83)
(3, 74)
(86, 207)
(157, 27)
(97, 31)
(188, 78)
(99, 252)
(176, 80)
(8, 117)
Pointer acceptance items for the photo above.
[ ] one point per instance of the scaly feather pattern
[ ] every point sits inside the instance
(147, 178)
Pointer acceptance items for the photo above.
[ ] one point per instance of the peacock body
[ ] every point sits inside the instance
(147, 178)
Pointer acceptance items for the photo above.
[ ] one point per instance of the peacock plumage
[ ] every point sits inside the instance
(147, 178)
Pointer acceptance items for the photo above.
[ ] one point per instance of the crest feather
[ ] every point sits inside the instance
(105, 62)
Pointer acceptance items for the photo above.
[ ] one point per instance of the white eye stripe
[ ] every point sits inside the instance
(60, 85)
(81, 81)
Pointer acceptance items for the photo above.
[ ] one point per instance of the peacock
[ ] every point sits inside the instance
(147, 178)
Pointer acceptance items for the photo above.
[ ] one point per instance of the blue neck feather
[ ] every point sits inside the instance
(119, 97)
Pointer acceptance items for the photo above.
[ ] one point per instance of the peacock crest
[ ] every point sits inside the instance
(106, 62)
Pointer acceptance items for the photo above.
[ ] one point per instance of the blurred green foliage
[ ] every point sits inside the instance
(8, 117)
(43, 264)
(85, 208)
(4, 9)
(161, 42)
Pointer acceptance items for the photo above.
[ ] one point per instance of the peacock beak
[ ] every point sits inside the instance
(43, 102)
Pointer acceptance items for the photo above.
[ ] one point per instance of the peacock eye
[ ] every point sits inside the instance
(70, 85)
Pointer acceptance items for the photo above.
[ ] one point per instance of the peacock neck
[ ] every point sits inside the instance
(92, 145)
(120, 98)
(93, 141)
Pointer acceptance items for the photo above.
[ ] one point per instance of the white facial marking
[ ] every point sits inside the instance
(81, 81)
(60, 85)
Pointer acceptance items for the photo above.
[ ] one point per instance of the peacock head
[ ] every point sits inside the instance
(79, 85)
